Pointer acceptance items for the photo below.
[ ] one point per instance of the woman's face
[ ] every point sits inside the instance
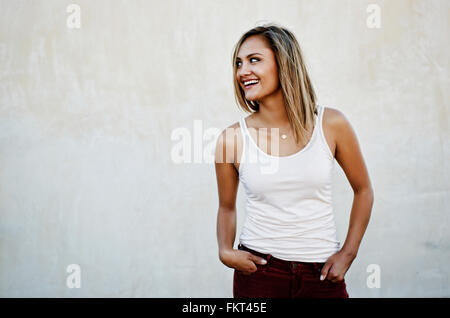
(256, 61)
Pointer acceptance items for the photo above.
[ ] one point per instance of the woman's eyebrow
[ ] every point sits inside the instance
(238, 58)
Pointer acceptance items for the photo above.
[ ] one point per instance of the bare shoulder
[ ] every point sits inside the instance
(232, 132)
(227, 143)
(234, 126)
(333, 116)
(336, 128)
(348, 151)
(335, 120)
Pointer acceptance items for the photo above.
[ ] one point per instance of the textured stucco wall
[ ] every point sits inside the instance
(88, 175)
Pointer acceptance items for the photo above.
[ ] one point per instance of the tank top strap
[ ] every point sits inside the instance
(320, 114)
(318, 117)
(244, 125)
(244, 131)
(245, 136)
(321, 132)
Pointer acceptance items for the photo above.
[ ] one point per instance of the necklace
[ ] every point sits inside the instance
(284, 135)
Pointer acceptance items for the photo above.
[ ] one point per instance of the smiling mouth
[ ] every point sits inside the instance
(251, 83)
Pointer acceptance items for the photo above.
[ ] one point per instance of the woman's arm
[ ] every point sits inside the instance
(228, 182)
(350, 158)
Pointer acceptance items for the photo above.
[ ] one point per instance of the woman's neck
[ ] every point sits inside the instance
(272, 112)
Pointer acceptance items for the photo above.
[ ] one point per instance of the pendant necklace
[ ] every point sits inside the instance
(284, 135)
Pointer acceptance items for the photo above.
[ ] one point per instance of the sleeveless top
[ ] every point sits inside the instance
(289, 212)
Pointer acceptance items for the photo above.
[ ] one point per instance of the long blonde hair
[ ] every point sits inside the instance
(298, 92)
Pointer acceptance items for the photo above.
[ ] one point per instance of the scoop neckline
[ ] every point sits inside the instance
(316, 123)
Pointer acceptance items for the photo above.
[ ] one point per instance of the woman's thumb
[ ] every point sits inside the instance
(324, 271)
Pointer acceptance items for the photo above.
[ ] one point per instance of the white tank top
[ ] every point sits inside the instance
(289, 199)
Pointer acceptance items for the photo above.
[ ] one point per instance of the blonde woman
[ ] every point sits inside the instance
(288, 246)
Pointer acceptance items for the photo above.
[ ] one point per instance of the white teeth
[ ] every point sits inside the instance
(251, 82)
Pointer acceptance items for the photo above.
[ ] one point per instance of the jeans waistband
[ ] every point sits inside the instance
(312, 267)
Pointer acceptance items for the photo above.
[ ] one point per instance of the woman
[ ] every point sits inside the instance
(288, 246)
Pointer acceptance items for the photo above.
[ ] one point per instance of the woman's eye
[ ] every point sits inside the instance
(252, 58)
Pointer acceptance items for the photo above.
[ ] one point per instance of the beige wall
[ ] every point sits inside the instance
(87, 172)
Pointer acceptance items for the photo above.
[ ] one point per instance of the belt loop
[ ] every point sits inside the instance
(319, 267)
(316, 267)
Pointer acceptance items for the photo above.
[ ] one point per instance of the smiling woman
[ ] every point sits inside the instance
(288, 246)
(273, 60)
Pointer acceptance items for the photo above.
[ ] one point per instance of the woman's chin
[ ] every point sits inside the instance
(251, 97)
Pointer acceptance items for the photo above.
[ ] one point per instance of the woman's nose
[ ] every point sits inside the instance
(244, 70)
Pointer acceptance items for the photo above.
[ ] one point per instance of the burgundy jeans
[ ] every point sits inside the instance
(285, 279)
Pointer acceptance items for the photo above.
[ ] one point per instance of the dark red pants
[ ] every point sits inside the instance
(284, 279)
